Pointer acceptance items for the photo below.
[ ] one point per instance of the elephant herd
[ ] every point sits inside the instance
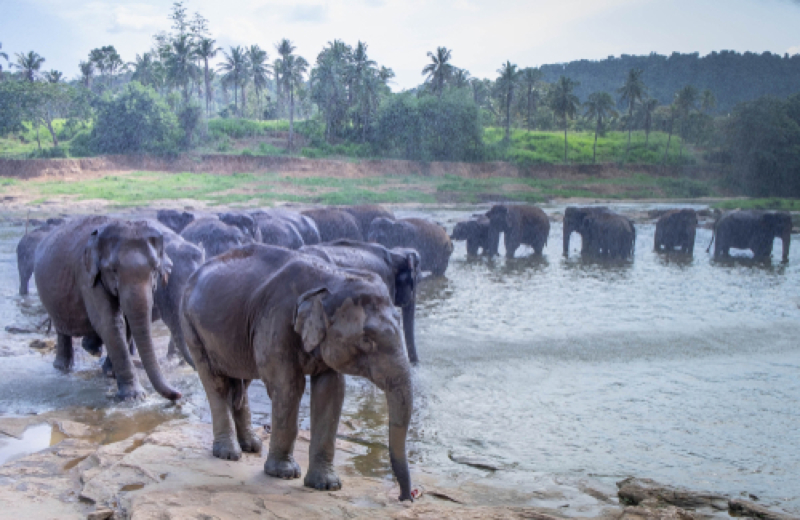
(280, 295)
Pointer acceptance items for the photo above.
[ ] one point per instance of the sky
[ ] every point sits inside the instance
(482, 34)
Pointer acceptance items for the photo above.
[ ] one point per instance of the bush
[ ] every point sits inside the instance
(268, 149)
(189, 118)
(80, 146)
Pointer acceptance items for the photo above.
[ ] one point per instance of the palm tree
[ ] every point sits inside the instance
(29, 64)
(685, 101)
(632, 91)
(180, 63)
(529, 77)
(564, 104)
(506, 83)
(284, 49)
(259, 70)
(234, 66)
(647, 109)
(438, 70)
(599, 106)
(5, 57)
(294, 68)
(329, 84)
(207, 50)
(53, 76)
(461, 78)
(87, 70)
(144, 69)
(708, 101)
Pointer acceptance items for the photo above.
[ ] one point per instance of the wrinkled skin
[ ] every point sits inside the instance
(174, 220)
(279, 315)
(304, 225)
(574, 222)
(475, 231)
(26, 251)
(611, 235)
(97, 276)
(214, 236)
(334, 224)
(398, 268)
(676, 228)
(246, 224)
(366, 213)
(753, 230)
(278, 232)
(429, 239)
(520, 224)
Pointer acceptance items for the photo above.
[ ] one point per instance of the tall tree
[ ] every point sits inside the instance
(207, 50)
(106, 60)
(284, 49)
(234, 67)
(30, 64)
(460, 79)
(329, 85)
(685, 101)
(259, 70)
(599, 106)
(708, 101)
(529, 78)
(564, 104)
(87, 71)
(180, 64)
(294, 69)
(631, 92)
(506, 83)
(439, 70)
(5, 57)
(53, 76)
(144, 69)
(647, 109)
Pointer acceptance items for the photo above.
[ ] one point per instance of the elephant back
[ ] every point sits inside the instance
(334, 224)
(366, 213)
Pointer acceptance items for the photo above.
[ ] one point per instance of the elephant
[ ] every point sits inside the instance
(174, 220)
(278, 232)
(610, 235)
(26, 251)
(334, 224)
(520, 224)
(268, 312)
(398, 268)
(366, 213)
(428, 238)
(214, 236)
(574, 222)
(475, 231)
(96, 277)
(246, 223)
(676, 228)
(303, 224)
(754, 230)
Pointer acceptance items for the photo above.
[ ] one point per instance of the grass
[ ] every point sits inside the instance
(765, 204)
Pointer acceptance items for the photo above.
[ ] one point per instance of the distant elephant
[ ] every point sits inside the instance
(366, 213)
(574, 222)
(610, 235)
(279, 315)
(399, 268)
(214, 236)
(676, 228)
(97, 276)
(278, 232)
(26, 251)
(429, 239)
(475, 231)
(334, 224)
(520, 224)
(753, 230)
(246, 223)
(174, 220)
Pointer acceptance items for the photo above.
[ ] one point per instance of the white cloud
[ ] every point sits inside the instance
(136, 18)
(791, 51)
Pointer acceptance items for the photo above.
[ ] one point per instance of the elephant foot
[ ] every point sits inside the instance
(130, 392)
(64, 363)
(322, 479)
(250, 443)
(226, 449)
(93, 345)
(108, 368)
(282, 468)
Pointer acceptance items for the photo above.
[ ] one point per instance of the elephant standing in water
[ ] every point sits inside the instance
(334, 224)
(754, 230)
(574, 222)
(475, 231)
(97, 276)
(519, 224)
(280, 315)
(429, 239)
(610, 235)
(26, 251)
(676, 228)
(366, 213)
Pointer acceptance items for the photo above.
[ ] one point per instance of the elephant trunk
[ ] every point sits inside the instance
(408, 330)
(494, 240)
(138, 308)
(400, 401)
(786, 238)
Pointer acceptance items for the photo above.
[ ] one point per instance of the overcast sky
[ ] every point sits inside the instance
(482, 34)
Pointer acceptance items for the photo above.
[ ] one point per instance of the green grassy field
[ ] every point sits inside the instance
(764, 204)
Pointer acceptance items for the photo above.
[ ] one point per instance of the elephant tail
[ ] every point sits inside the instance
(713, 236)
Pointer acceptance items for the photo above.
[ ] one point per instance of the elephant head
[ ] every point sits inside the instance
(574, 221)
(499, 222)
(353, 327)
(174, 220)
(247, 224)
(127, 259)
(779, 224)
(384, 231)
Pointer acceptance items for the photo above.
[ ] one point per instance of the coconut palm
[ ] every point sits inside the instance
(439, 70)
(708, 101)
(284, 48)
(144, 69)
(234, 67)
(507, 83)
(53, 76)
(179, 63)
(29, 64)
(529, 77)
(259, 70)
(207, 50)
(5, 57)
(647, 109)
(87, 70)
(631, 92)
(107, 60)
(564, 104)
(460, 78)
(599, 106)
(294, 68)
(329, 84)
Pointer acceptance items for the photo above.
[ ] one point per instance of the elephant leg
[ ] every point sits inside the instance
(219, 392)
(92, 344)
(108, 367)
(327, 397)
(65, 355)
(248, 440)
(472, 247)
(172, 351)
(285, 384)
(511, 245)
(111, 327)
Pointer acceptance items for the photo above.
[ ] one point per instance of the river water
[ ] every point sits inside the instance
(553, 370)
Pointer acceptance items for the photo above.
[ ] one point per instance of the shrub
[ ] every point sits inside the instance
(80, 146)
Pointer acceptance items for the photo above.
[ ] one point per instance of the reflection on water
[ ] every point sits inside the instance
(676, 368)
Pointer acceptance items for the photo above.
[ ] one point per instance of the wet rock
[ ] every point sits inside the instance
(658, 513)
(14, 329)
(476, 461)
(43, 345)
(634, 491)
(100, 514)
(15, 426)
(73, 429)
(739, 507)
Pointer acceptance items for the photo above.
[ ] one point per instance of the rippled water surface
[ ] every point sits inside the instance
(685, 371)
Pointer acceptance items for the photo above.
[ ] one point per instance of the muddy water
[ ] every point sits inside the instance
(552, 370)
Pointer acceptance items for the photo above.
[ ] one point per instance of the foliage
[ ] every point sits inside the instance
(241, 128)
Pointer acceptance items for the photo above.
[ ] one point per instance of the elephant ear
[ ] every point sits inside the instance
(156, 240)
(310, 320)
(91, 257)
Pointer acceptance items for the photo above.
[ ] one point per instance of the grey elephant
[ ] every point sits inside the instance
(277, 231)
(475, 231)
(96, 277)
(399, 268)
(174, 220)
(676, 228)
(520, 224)
(26, 251)
(574, 223)
(610, 235)
(214, 236)
(366, 213)
(334, 224)
(304, 225)
(753, 230)
(246, 223)
(429, 239)
(279, 315)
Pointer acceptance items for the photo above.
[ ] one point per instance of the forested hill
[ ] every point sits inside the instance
(731, 76)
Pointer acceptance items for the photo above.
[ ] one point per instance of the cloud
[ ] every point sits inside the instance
(314, 13)
(791, 51)
(136, 18)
